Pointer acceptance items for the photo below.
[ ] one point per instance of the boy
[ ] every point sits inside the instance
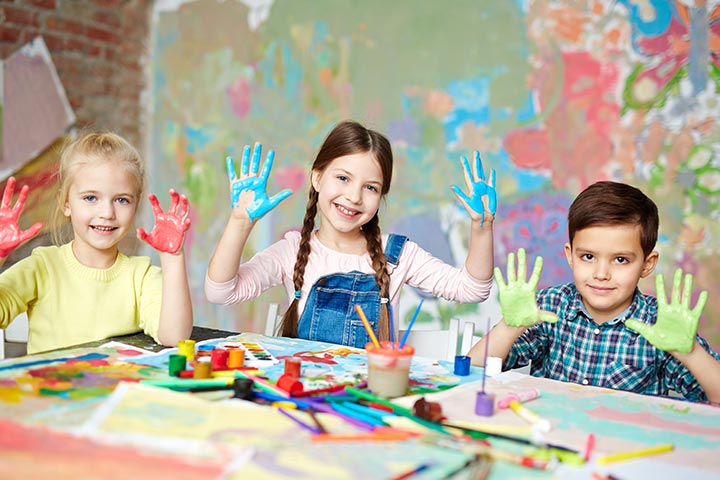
(600, 329)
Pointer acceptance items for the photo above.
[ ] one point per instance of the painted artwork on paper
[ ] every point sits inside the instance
(324, 364)
(36, 111)
(253, 441)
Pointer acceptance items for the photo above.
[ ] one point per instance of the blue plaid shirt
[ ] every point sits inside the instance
(576, 349)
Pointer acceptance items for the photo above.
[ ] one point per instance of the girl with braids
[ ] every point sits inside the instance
(346, 260)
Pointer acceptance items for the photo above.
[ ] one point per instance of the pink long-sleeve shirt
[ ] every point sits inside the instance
(275, 265)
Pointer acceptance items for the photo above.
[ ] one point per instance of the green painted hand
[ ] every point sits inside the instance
(676, 325)
(517, 297)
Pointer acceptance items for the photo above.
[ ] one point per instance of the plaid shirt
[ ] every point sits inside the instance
(576, 349)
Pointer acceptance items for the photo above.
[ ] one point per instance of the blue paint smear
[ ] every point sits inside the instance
(471, 99)
(197, 138)
(650, 27)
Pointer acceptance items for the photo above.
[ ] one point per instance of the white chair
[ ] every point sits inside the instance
(274, 319)
(469, 339)
(13, 340)
(435, 344)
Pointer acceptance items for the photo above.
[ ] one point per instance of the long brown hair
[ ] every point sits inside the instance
(347, 138)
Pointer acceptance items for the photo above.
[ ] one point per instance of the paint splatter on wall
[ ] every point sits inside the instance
(555, 95)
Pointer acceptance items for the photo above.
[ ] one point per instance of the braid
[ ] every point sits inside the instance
(289, 327)
(379, 263)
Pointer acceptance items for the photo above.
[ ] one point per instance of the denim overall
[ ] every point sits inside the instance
(329, 314)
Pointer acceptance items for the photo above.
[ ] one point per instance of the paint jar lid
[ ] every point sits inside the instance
(493, 366)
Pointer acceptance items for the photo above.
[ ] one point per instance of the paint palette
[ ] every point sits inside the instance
(255, 354)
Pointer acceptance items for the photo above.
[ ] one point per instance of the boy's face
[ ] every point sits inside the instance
(607, 262)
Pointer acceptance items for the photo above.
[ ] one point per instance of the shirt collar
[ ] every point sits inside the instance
(576, 305)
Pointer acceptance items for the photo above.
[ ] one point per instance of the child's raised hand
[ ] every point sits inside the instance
(249, 192)
(483, 197)
(10, 234)
(676, 325)
(517, 297)
(168, 233)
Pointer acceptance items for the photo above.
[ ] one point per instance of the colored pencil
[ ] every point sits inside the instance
(589, 446)
(264, 385)
(391, 322)
(402, 411)
(342, 408)
(369, 329)
(412, 471)
(410, 325)
(185, 383)
(335, 388)
(356, 437)
(304, 425)
(316, 421)
(321, 407)
(487, 347)
(511, 438)
(622, 456)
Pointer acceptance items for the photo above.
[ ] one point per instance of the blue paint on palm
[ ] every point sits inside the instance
(261, 203)
(479, 188)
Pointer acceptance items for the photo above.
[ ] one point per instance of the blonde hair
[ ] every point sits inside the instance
(88, 149)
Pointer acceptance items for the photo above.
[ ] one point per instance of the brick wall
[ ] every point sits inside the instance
(99, 48)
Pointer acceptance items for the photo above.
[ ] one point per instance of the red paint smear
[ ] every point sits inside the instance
(36, 452)
(652, 421)
(239, 95)
(129, 353)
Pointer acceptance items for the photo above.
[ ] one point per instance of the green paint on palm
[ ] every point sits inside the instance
(518, 296)
(677, 323)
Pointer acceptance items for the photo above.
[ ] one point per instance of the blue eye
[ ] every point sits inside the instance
(342, 178)
(123, 201)
(373, 188)
(89, 198)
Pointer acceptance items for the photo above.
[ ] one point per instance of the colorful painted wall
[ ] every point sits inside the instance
(555, 95)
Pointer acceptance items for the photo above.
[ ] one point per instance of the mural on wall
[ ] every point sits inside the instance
(555, 95)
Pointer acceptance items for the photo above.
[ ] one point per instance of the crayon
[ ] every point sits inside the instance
(622, 456)
(531, 417)
(524, 396)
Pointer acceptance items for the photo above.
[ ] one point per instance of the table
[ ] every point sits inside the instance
(179, 435)
(146, 342)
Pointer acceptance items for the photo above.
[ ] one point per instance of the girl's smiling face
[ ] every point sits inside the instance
(101, 205)
(349, 193)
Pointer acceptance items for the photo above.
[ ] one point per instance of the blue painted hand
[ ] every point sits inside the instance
(249, 192)
(517, 297)
(676, 325)
(482, 200)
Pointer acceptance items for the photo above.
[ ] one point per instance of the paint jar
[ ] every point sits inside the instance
(293, 366)
(236, 357)
(389, 369)
(462, 365)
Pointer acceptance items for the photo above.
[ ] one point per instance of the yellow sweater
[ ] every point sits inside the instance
(68, 303)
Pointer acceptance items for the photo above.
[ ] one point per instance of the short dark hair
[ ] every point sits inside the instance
(614, 203)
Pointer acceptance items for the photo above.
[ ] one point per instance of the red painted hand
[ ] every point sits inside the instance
(10, 234)
(168, 233)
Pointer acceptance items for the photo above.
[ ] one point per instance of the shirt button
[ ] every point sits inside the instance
(585, 381)
(596, 331)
